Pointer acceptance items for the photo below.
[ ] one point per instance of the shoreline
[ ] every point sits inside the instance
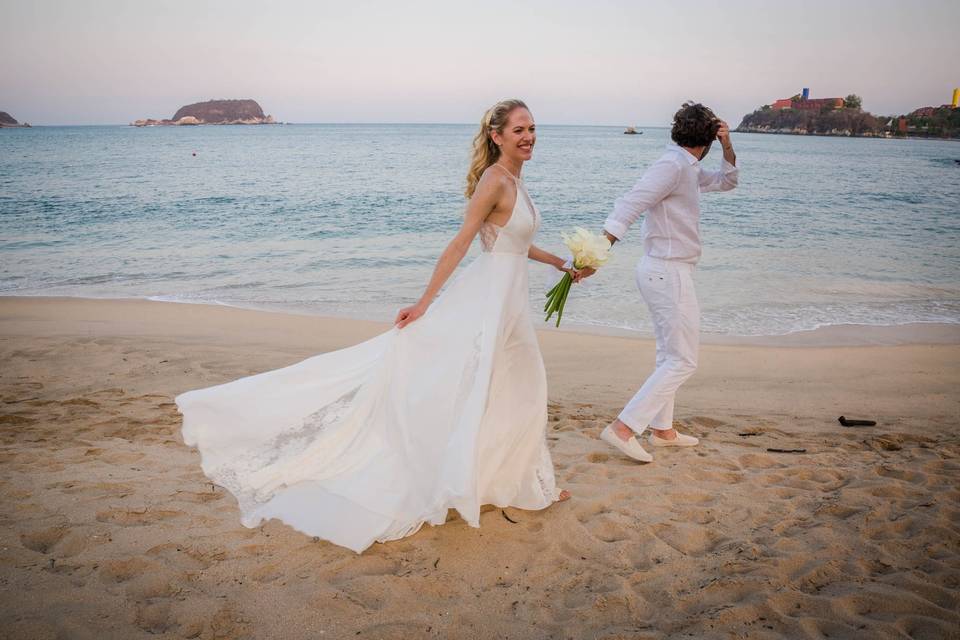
(841, 335)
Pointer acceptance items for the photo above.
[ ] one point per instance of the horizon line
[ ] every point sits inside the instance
(425, 124)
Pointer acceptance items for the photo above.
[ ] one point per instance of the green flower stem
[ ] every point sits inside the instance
(553, 304)
(559, 299)
(557, 295)
(550, 295)
(563, 302)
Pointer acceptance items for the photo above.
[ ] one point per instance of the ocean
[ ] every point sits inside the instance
(348, 220)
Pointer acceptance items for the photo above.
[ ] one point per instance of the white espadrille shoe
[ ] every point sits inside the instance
(682, 440)
(629, 447)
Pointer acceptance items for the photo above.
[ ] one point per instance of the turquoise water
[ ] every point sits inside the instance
(349, 219)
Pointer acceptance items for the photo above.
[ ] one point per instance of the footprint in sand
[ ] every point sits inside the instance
(116, 571)
(721, 477)
(839, 511)
(267, 573)
(77, 541)
(588, 510)
(160, 583)
(187, 558)
(901, 474)
(688, 539)
(705, 421)
(155, 617)
(43, 540)
(700, 516)
(129, 518)
(805, 479)
(607, 529)
(198, 497)
(701, 498)
(759, 461)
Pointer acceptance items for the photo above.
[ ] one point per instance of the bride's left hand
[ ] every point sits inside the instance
(409, 314)
(576, 274)
(586, 272)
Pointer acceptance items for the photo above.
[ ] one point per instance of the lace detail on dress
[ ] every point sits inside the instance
(488, 235)
(284, 446)
(545, 475)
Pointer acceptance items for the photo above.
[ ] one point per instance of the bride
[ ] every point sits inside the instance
(448, 409)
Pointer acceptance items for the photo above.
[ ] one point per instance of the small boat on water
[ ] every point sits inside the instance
(632, 131)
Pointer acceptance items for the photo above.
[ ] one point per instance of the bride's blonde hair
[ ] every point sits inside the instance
(485, 150)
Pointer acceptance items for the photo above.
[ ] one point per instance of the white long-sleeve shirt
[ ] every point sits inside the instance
(670, 191)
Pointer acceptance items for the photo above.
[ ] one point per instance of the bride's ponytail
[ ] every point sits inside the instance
(485, 150)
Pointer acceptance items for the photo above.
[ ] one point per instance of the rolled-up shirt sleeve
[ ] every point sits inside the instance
(656, 184)
(723, 180)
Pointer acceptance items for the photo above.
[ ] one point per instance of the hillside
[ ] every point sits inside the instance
(8, 121)
(844, 121)
(223, 112)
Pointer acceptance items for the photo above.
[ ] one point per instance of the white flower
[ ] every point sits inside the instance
(588, 249)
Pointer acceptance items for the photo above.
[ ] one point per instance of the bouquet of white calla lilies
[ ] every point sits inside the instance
(589, 250)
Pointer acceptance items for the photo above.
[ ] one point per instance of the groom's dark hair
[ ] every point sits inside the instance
(694, 125)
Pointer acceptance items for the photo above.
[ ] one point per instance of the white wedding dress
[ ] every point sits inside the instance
(368, 443)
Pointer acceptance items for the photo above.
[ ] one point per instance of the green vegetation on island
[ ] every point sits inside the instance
(932, 122)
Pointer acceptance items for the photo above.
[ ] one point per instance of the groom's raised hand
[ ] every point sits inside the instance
(723, 134)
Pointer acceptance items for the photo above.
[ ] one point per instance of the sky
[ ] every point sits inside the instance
(574, 62)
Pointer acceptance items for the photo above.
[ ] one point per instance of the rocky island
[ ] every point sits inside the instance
(9, 122)
(213, 112)
(802, 115)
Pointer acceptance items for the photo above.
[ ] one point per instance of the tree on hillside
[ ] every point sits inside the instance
(853, 101)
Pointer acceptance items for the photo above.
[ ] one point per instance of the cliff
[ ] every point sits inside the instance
(845, 121)
(223, 112)
(214, 112)
(8, 121)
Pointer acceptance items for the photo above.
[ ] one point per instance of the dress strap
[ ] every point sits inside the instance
(507, 171)
(521, 191)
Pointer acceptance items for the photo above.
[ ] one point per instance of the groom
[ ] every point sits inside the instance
(669, 191)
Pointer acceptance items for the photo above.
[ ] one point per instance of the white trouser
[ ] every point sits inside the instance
(667, 288)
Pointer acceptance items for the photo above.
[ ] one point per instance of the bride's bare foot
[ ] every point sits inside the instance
(564, 495)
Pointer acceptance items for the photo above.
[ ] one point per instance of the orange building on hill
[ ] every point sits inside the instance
(806, 102)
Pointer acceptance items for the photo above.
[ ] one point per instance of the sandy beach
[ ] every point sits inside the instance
(110, 530)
